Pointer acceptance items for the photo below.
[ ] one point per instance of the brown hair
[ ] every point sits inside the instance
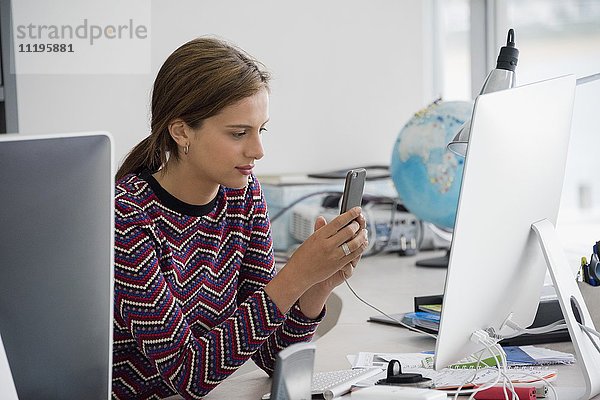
(196, 82)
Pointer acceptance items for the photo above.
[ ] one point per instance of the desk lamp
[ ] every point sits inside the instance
(500, 78)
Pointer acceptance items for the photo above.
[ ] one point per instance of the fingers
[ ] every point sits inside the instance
(347, 271)
(341, 221)
(346, 233)
(320, 222)
(333, 245)
(354, 247)
(356, 261)
(361, 221)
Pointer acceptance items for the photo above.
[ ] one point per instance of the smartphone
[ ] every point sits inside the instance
(353, 189)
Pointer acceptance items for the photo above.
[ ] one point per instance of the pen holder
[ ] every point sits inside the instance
(591, 295)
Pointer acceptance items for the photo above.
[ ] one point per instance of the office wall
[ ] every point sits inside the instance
(347, 74)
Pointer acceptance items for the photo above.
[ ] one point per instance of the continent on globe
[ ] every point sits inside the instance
(426, 175)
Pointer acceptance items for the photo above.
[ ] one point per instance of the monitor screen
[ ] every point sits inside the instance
(56, 252)
(512, 178)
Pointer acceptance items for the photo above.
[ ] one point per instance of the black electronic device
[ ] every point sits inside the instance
(353, 189)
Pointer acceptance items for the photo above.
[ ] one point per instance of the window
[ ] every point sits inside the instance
(455, 49)
(563, 37)
(554, 37)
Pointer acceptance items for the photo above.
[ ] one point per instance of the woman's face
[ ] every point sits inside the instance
(223, 150)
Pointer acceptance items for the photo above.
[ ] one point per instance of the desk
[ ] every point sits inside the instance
(388, 282)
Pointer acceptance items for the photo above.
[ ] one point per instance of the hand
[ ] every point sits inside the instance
(347, 270)
(322, 255)
(312, 301)
(330, 249)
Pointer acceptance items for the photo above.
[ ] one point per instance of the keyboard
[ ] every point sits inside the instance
(332, 384)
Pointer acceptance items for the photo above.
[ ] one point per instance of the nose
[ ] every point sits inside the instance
(255, 148)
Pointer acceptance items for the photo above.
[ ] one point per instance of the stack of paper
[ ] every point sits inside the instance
(533, 355)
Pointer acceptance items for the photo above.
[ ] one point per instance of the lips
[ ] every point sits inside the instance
(245, 169)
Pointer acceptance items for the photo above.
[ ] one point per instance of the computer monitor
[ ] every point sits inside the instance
(56, 257)
(504, 239)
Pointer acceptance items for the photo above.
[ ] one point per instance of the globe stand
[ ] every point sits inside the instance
(436, 262)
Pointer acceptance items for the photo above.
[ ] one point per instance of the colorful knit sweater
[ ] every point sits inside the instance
(189, 306)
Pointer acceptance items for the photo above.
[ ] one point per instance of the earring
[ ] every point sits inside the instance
(186, 149)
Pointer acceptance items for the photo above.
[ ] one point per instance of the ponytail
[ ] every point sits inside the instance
(147, 154)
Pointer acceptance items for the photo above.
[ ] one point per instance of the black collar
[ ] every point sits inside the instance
(173, 202)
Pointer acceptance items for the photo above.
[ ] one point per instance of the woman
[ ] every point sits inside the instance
(195, 290)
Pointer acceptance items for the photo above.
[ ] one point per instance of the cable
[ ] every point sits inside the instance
(487, 385)
(412, 328)
(483, 337)
(490, 343)
(371, 200)
(589, 332)
(555, 326)
(373, 227)
(293, 203)
(370, 218)
(500, 350)
(546, 381)
(510, 384)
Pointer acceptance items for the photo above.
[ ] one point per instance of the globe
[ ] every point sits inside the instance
(426, 175)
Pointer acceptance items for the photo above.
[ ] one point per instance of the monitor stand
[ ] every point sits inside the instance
(572, 303)
(437, 262)
(7, 386)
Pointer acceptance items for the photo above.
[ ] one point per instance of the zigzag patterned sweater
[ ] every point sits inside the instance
(189, 306)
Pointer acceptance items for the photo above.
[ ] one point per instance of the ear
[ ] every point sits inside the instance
(180, 132)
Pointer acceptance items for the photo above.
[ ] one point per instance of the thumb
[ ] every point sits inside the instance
(320, 222)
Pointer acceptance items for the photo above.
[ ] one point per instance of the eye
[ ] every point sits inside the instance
(263, 130)
(238, 135)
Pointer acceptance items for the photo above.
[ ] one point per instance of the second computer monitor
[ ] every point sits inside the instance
(56, 255)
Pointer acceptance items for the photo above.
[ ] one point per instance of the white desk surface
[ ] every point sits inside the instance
(390, 283)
